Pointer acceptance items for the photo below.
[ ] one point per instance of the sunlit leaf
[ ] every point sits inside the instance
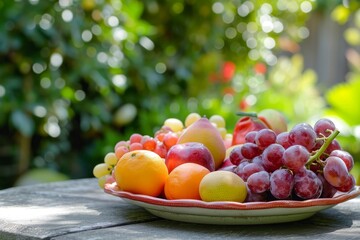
(340, 14)
(67, 93)
(344, 101)
(352, 36)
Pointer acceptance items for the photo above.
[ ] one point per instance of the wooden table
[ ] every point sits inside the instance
(79, 209)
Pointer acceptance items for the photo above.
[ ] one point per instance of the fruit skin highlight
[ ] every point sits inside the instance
(141, 172)
(222, 186)
(183, 182)
(203, 131)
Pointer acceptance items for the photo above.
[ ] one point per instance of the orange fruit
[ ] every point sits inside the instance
(183, 181)
(141, 172)
(222, 186)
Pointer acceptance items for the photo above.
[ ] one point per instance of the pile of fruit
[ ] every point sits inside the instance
(261, 160)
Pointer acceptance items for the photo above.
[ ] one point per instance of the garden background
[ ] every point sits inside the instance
(77, 76)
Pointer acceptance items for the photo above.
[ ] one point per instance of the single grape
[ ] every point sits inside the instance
(135, 137)
(248, 169)
(345, 156)
(170, 139)
(272, 157)
(218, 120)
(159, 136)
(307, 185)
(174, 124)
(105, 179)
(281, 183)
(335, 171)
(148, 143)
(240, 168)
(323, 127)
(334, 145)
(256, 197)
(328, 190)
(121, 150)
(191, 118)
(160, 149)
(250, 150)
(348, 184)
(135, 146)
(121, 144)
(259, 182)
(303, 134)
(250, 137)
(258, 160)
(235, 155)
(283, 139)
(102, 169)
(265, 137)
(110, 158)
(295, 157)
(102, 181)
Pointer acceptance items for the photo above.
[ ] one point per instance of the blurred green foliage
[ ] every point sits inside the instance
(291, 89)
(76, 76)
(62, 79)
(343, 99)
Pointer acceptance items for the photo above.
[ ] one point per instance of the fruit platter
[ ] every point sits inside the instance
(260, 173)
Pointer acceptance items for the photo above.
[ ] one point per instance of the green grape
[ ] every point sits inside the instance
(222, 132)
(101, 170)
(174, 124)
(110, 159)
(218, 120)
(102, 180)
(191, 118)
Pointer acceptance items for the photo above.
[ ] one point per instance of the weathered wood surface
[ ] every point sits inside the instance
(78, 209)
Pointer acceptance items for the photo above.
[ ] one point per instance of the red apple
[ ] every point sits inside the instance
(193, 152)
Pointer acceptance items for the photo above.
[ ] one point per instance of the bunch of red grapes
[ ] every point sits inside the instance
(304, 163)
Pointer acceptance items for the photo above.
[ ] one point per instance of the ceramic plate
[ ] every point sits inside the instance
(231, 213)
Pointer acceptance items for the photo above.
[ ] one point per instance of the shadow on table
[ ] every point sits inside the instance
(320, 225)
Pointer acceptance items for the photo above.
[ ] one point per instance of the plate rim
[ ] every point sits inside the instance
(340, 197)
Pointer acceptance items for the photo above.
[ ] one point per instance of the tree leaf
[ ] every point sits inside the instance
(344, 99)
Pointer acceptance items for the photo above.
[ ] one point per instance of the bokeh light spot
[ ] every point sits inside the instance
(56, 60)
(160, 67)
(306, 7)
(79, 95)
(40, 111)
(218, 7)
(86, 36)
(147, 43)
(67, 15)
(119, 80)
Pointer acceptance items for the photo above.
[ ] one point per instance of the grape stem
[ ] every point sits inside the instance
(246, 114)
(322, 149)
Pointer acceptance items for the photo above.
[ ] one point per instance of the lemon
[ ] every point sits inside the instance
(222, 186)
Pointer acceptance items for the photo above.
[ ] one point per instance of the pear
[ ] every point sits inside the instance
(203, 131)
